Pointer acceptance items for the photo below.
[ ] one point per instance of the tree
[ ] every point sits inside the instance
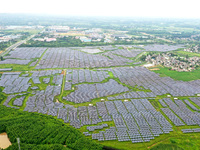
(143, 57)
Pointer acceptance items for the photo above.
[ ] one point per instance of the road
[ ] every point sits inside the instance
(15, 45)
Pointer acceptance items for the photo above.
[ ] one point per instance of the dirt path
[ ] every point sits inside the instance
(157, 143)
(64, 72)
(4, 141)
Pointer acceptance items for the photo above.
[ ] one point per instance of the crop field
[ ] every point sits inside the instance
(104, 96)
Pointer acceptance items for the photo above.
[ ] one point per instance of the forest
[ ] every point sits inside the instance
(41, 132)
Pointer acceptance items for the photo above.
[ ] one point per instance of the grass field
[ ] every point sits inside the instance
(172, 141)
(184, 53)
(184, 76)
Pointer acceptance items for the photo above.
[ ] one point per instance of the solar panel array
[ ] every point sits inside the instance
(190, 130)
(86, 92)
(135, 119)
(161, 48)
(195, 100)
(43, 101)
(70, 58)
(181, 110)
(73, 58)
(124, 52)
(81, 76)
(92, 128)
(13, 83)
(26, 53)
(8, 100)
(140, 76)
(15, 61)
(34, 63)
(19, 101)
(191, 105)
(23, 56)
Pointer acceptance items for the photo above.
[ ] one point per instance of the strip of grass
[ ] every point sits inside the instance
(2, 95)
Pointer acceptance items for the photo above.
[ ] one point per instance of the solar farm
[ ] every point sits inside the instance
(102, 91)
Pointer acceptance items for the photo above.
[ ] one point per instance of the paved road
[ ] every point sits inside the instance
(16, 45)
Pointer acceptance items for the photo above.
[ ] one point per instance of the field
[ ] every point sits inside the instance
(184, 54)
(174, 141)
(184, 76)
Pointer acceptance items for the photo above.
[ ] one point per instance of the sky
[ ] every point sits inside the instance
(131, 8)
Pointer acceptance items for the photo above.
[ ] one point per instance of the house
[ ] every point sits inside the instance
(50, 39)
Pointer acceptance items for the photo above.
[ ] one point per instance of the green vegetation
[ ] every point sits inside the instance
(172, 141)
(185, 54)
(62, 42)
(166, 147)
(184, 76)
(4, 45)
(142, 58)
(2, 95)
(41, 131)
(38, 147)
(16, 67)
(24, 34)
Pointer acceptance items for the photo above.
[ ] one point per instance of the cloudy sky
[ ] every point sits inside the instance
(144, 8)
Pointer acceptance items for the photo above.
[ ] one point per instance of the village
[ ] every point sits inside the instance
(174, 62)
(193, 49)
(86, 35)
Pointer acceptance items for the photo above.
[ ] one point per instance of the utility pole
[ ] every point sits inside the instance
(18, 141)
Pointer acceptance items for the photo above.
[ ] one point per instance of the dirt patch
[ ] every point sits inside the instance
(63, 72)
(4, 141)
(154, 69)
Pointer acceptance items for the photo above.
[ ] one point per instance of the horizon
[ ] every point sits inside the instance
(88, 16)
